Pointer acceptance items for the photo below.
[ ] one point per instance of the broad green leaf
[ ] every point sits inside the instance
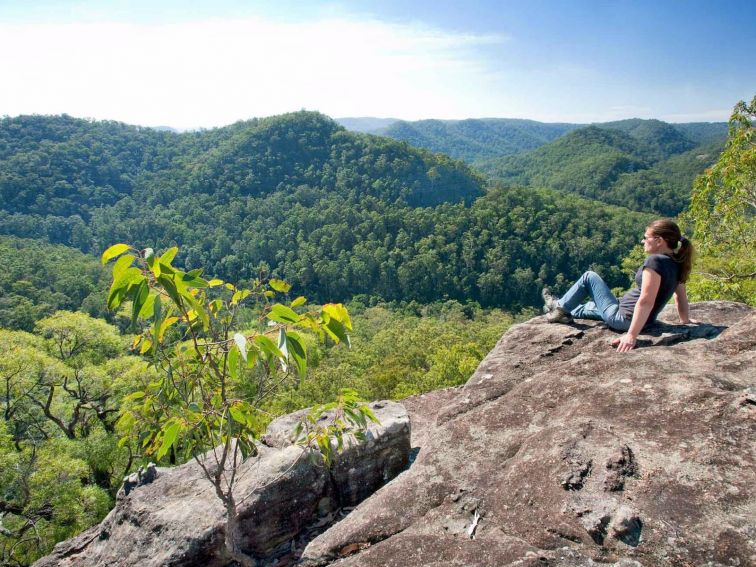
(336, 331)
(140, 297)
(339, 312)
(148, 308)
(170, 433)
(168, 256)
(170, 288)
(298, 301)
(120, 287)
(233, 362)
(298, 352)
(215, 282)
(282, 314)
(268, 346)
(126, 421)
(280, 285)
(121, 264)
(112, 252)
(133, 396)
(154, 264)
(165, 325)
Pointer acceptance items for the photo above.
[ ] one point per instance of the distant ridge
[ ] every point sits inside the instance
(479, 140)
(367, 124)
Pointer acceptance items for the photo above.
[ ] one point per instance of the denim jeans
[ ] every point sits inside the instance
(603, 307)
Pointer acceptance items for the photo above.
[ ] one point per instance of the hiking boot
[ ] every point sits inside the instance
(549, 301)
(558, 315)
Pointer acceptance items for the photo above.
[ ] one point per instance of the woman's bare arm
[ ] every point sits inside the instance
(650, 283)
(683, 308)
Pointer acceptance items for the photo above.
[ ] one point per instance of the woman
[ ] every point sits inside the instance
(663, 274)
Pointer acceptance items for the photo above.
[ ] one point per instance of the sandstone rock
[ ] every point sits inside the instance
(573, 454)
(176, 519)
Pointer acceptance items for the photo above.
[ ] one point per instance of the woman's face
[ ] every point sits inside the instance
(652, 244)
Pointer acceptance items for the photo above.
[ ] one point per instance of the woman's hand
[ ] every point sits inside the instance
(625, 343)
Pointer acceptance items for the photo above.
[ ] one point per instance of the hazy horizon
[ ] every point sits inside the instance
(208, 64)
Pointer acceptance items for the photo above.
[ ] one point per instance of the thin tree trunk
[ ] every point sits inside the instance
(232, 532)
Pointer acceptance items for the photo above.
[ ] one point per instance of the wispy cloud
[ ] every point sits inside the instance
(215, 72)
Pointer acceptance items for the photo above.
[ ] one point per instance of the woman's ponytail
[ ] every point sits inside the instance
(684, 257)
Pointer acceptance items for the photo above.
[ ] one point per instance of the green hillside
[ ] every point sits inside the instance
(38, 279)
(645, 165)
(475, 139)
(296, 196)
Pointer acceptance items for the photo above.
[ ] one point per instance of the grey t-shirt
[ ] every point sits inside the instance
(669, 270)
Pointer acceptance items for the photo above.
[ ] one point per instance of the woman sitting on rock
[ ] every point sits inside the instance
(663, 274)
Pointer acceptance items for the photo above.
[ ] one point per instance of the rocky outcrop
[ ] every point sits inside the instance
(558, 451)
(171, 517)
(561, 451)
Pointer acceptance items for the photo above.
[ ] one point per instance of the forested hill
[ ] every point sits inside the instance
(645, 165)
(338, 214)
(469, 140)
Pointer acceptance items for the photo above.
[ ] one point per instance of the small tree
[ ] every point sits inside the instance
(206, 403)
(723, 215)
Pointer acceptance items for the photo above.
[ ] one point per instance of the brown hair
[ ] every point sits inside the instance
(670, 233)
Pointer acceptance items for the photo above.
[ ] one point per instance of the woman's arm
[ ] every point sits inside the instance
(650, 282)
(681, 300)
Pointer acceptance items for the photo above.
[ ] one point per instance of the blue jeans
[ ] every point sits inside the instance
(604, 307)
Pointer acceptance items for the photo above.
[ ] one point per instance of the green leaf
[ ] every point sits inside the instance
(153, 262)
(280, 285)
(298, 352)
(133, 396)
(170, 433)
(233, 362)
(121, 286)
(121, 264)
(339, 312)
(268, 346)
(336, 331)
(126, 421)
(241, 412)
(140, 297)
(282, 314)
(215, 282)
(298, 301)
(112, 252)
(168, 256)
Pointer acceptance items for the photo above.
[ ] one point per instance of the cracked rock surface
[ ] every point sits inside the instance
(562, 451)
(175, 519)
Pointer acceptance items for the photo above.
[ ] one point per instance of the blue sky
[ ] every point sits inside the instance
(195, 64)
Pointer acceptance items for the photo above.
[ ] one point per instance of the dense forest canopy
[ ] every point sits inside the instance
(644, 165)
(337, 214)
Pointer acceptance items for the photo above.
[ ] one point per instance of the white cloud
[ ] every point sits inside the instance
(215, 72)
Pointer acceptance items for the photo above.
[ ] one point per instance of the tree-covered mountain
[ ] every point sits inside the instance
(475, 139)
(645, 165)
(480, 140)
(336, 213)
(38, 279)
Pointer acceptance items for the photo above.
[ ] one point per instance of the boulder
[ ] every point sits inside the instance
(561, 451)
(172, 517)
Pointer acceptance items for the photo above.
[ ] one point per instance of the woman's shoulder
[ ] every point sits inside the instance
(658, 259)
